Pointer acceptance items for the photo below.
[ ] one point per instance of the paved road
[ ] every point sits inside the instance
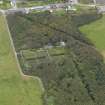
(48, 7)
(39, 8)
(28, 9)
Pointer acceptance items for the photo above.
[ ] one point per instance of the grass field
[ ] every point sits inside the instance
(14, 89)
(95, 31)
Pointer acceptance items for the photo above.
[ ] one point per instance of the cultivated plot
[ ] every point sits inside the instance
(38, 56)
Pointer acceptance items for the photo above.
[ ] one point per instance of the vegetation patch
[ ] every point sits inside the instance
(73, 74)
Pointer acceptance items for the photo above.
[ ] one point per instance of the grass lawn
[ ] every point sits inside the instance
(95, 31)
(14, 89)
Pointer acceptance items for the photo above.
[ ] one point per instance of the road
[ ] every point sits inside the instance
(38, 8)
(28, 9)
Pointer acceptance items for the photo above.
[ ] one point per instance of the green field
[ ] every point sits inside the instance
(14, 88)
(95, 31)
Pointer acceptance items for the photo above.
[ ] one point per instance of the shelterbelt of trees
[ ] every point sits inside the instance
(74, 78)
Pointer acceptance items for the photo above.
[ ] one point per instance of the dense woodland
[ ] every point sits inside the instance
(75, 78)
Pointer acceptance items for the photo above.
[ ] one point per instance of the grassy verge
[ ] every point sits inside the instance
(14, 89)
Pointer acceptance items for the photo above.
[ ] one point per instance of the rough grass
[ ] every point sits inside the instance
(14, 89)
(96, 32)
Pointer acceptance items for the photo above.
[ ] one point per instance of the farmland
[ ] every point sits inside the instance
(72, 74)
(15, 89)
